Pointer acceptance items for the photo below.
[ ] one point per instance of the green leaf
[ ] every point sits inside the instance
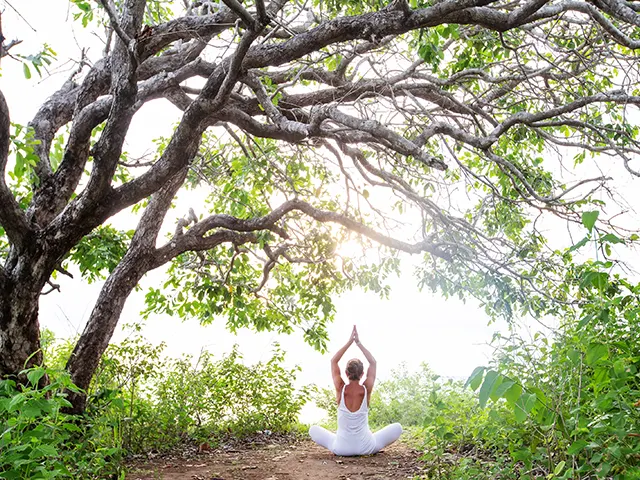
(580, 244)
(500, 391)
(513, 394)
(584, 321)
(26, 70)
(85, 7)
(71, 427)
(558, 470)
(475, 379)
(523, 406)
(595, 352)
(519, 412)
(577, 447)
(611, 238)
(494, 391)
(530, 403)
(589, 219)
(15, 402)
(598, 280)
(31, 409)
(35, 375)
(47, 450)
(487, 387)
(603, 469)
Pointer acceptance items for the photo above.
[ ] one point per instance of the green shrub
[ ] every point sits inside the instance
(574, 392)
(38, 441)
(211, 398)
(405, 398)
(138, 402)
(155, 404)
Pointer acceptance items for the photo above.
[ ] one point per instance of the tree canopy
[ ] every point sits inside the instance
(449, 129)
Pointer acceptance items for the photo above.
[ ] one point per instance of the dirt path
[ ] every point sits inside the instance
(297, 461)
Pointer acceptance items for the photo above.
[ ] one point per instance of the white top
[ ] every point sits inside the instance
(354, 435)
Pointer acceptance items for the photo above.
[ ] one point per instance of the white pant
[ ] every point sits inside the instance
(330, 440)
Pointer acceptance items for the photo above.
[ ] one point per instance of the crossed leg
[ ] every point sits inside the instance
(387, 435)
(322, 437)
(383, 438)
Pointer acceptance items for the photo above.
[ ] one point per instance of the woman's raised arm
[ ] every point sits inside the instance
(371, 371)
(338, 382)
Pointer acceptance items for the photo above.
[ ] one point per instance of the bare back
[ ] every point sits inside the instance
(353, 396)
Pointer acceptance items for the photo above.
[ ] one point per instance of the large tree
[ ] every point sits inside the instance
(436, 128)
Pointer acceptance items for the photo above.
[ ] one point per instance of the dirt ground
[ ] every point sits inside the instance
(294, 461)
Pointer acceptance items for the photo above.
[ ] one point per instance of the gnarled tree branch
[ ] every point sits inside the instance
(12, 218)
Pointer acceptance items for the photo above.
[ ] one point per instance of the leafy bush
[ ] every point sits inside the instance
(154, 403)
(405, 398)
(575, 402)
(574, 393)
(208, 399)
(138, 402)
(38, 441)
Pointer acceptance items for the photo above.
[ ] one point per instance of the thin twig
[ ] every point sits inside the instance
(109, 8)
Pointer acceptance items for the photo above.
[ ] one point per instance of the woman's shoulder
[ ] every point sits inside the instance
(354, 388)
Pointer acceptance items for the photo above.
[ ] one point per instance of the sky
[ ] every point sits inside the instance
(410, 327)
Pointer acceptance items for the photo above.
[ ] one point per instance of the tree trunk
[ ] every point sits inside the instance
(139, 259)
(19, 328)
(102, 323)
(26, 268)
(21, 282)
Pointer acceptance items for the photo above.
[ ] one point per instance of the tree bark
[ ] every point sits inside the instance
(19, 327)
(23, 277)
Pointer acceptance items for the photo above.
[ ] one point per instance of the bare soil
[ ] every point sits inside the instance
(300, 460)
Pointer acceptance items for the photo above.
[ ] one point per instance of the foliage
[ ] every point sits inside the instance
(295, 286)
(138, 402)
(574, 391)
(169, 402)
(38, 61)
(39, 441)
(157, 403)
(453, 160)
(23, 174)
(85, 12)
(99, 253)
(214, 398)
(422, 127)
(405, 398)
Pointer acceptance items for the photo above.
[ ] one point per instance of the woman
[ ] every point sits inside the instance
(353, 436)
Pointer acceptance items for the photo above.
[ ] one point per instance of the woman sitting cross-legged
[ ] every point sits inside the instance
(354, 436)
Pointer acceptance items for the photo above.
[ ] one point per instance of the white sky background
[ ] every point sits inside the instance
(411, 326)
